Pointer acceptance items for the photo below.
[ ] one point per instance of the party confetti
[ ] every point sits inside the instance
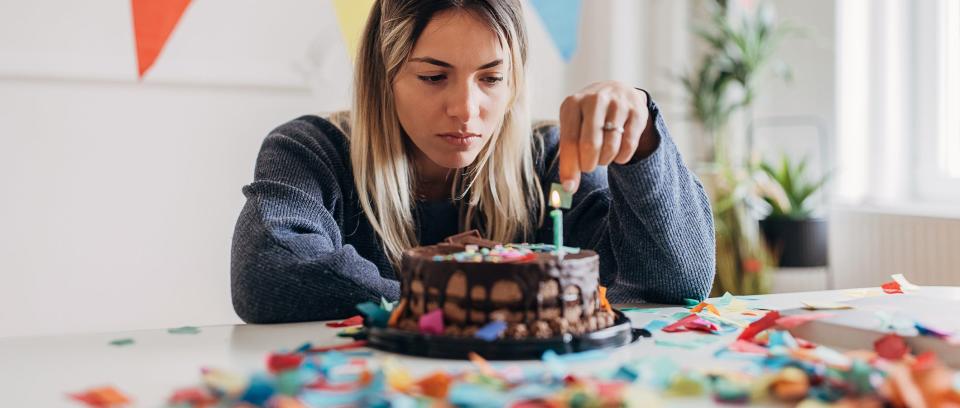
(184, 330)
(351, 321)
(891, 288)
(432, 323)
(101, 397)
(891, 347)
(122, 342)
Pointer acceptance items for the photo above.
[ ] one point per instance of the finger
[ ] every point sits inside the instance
(631, 137)
(617, 114)
(593, 108)
(569, 151)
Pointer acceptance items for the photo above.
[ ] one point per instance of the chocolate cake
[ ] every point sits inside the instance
(537, 292)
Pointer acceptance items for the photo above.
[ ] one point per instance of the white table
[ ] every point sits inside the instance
(40, 371)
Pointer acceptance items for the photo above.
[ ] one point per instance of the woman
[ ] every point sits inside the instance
(440, 142)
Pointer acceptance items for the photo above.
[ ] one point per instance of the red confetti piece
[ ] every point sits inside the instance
(101, 397)
(351, 321)
(194, 396)
(891, 288)
(322, 384)
(346, 346)
(436, 385)
(891, 347)
(680, 325)
(278, 362)
(701, 325)
(761, 324)
(925, 361)
(805, 344)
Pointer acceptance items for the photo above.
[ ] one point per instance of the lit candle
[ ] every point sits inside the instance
(557, 216)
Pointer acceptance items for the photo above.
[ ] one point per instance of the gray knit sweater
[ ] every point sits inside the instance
(303, 249)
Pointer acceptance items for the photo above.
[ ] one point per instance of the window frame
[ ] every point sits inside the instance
(936, 167)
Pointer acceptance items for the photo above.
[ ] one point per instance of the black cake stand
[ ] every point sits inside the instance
(451, 347)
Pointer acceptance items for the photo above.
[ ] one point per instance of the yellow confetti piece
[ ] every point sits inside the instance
(395, 316)
(482, 364)
(904, 283)
(398, 377)
(603, 299)
(824, 305)
(224, 382)
(705, 305)
(860, 293)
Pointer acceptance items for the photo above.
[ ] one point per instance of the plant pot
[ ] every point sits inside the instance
(797, 243)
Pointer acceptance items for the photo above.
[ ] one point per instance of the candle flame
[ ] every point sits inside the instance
(555, 199)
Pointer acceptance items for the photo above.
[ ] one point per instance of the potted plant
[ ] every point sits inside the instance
(739, 49)
(796, 235)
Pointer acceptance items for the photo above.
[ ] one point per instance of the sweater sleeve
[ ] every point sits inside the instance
(649, 220)
(288, 260)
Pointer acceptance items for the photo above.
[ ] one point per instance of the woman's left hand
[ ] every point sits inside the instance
(606, 122)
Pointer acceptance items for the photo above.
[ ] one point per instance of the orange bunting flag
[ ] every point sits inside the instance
(153, 21)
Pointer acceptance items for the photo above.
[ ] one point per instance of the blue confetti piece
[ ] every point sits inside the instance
(322, 398)
(290, 382)
(554, 364)
(305, 347)
(386, 304)
(724, 300)
(403, 401)
(656, 325)
(376, 316)
(591, 355)
(475, 396)
(491, 331)
(184, 330)
(658, 371)
(258, 391)
(690, 303)
(122, 342)
(726, 354)
(532, 391)
(626, 373)
(679, 315)
(728, 391)
(782, 339)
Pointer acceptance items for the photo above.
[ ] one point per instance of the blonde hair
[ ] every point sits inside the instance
(501, 191)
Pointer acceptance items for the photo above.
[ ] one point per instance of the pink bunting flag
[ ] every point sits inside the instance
(789, 322)
(432, 323)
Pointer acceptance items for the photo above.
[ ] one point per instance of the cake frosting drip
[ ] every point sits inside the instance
(539, 294)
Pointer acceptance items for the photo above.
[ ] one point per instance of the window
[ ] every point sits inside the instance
(937, 166)
(949, 141)
(898, 103)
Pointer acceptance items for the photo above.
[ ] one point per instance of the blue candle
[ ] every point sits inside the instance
(557, 216)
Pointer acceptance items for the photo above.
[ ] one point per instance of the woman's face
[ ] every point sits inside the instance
(453, 90)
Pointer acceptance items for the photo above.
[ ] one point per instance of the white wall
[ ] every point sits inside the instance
(119, 200)
(809, 97)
